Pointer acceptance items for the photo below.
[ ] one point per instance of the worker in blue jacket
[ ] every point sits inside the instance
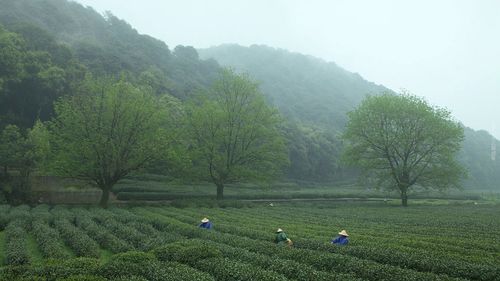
(205, 223)
(342, 239)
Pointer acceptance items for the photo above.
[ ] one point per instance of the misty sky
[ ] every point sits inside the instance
(445, 50)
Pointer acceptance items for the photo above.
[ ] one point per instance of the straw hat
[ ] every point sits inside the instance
(343, 233)
(279, 230)
(204, 220)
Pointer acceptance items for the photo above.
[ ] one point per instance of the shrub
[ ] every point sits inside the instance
(21, 215)
(129, 278)
(180, 272)
(16, 250)
(81, 243)
(127, 233)
(41, 213)
(100, 234)
(415, 261)
(128, 264)
(83, 278)
(15, 272)
(225, 269)
(56, 269)
(188, 252)
(48, 240)
(289, 268)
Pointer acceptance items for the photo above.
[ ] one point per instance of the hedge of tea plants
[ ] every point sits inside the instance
(164, 243)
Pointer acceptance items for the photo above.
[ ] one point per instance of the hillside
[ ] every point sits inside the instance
(58, 42)
(311, 91)
(306, 89)
(108, 45)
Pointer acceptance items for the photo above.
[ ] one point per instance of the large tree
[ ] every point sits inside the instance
(234, 134)
(107, 131)
(400, 141)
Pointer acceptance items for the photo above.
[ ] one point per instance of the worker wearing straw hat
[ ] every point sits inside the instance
(206, 223)
(342, 239)
(281, 238)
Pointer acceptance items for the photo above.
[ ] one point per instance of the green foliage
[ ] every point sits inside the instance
(80, 243)
(107, 45)
(177, 271)
(312, 94)
(84, 278)
(476, 157)
(130, 278)
(105, 238)
(241, 249)
(226, 269)
(56, 269)
(36, 73)
(400, 141)
(129, 263)
(47, 48)
(107, 131)
(304, 88)
(234, 134)
(16, 243)
(132, 264)
(188, 252)
(313, 154)
(48, 240)
(21, 155)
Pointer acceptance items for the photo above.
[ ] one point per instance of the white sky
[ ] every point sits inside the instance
(445, 50)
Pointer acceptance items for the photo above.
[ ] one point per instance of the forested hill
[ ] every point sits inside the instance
(305, 88)
(48, 46)
(106, 44)
(318, 94)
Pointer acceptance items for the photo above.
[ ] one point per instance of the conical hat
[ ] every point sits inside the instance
(204, 220)
(343, 233)
(279, 230)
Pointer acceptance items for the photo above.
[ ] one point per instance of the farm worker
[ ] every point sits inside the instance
(281, 238)
(341, 239)
(205, 223)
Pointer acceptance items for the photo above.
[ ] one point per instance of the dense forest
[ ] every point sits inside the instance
(49, 47)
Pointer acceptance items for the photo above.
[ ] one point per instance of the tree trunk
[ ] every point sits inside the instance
(104, 197)
(220, 190)
(404, 197)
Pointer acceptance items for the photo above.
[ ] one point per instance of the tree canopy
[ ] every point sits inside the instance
(234, 134)
(106, 131)
(20, 153)
(400, 141)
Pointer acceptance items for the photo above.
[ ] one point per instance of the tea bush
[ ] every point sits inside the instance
(48, 240)
(102, 236)
(16, 251)
(80, 243)
(224, 269)
(167, 245)
(188, 252)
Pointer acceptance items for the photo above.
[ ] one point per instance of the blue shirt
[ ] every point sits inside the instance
(340, 240)
(207, 225)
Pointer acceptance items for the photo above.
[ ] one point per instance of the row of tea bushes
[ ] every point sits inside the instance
(331, 262)
(131, 266)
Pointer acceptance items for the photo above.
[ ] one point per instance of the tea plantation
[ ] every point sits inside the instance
(442, 242)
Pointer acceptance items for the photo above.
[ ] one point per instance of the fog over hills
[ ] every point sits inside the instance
(312, 93)
(446, 51)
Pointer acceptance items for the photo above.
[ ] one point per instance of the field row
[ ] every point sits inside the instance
(240, 248)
